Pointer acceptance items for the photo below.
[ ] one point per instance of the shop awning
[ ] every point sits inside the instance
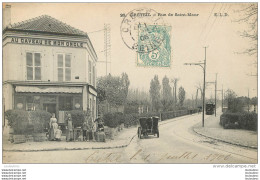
(44, 89)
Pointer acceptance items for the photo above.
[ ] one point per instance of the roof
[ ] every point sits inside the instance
(46, 24)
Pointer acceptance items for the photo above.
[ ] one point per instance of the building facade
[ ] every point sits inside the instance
(48, 65)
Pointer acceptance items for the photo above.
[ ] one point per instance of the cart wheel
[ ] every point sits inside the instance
(158, 134)
(139, 133)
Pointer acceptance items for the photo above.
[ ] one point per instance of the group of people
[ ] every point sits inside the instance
(54, 130)
(89, 127)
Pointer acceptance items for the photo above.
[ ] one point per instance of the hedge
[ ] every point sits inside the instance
(18, 120)
(40, 120)
(114, 119)
(239, 120)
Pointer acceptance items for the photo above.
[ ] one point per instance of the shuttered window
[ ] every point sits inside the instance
(94, 77)
(67, 67)
(60, 67)
(64, 67)
(33, 66)
(90, 72)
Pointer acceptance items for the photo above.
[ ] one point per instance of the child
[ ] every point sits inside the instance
(58, 134)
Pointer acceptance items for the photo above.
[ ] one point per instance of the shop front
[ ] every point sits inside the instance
(57, 100)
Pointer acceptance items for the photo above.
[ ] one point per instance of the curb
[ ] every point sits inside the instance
(66, 149)
(228, 142)
(88, 148)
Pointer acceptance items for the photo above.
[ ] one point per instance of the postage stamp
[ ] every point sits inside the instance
(149, 37)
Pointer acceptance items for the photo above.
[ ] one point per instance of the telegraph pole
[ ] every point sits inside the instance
(107, 45)
(203, 66)
(204, 87)
(216, 94)
(248, 102)
(222, 98)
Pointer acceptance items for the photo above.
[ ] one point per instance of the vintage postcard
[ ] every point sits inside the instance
(155, 83)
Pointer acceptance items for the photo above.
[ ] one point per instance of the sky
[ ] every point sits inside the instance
(188, 37)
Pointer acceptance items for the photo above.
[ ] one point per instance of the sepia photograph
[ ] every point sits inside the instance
(130, 83)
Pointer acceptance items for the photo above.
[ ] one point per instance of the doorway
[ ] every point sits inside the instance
(51, 108)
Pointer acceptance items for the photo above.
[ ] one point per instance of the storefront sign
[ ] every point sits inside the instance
(49, 99)
(47, 42)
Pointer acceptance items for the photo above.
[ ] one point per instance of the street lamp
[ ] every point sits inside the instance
(203, 66)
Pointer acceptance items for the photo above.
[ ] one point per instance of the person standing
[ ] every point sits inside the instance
(55, 128)
(94, 129)
(69, 128)
(84, 129)
(51, 132)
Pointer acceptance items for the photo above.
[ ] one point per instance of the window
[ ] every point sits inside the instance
(93, 108)
(90, 104)
(90, 71)
(65, 103)
(64, 67)
(33, 66)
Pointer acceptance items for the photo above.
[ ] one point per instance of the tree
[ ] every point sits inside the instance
(113, 89)
(166, 94)
(125, 83)
(155, 88)
(248, 15)
(175, 81)
(254, 102)
(181, 96)
(230, 97)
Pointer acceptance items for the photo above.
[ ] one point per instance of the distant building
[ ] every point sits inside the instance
(47, 65)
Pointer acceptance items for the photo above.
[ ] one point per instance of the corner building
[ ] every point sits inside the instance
(48, 65)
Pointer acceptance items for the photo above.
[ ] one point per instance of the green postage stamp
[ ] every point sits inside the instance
(154, 45)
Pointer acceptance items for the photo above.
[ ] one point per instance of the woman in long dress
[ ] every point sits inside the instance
(52, 120)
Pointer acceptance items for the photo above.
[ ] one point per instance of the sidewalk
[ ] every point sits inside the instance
(121, 140)
(213, 130)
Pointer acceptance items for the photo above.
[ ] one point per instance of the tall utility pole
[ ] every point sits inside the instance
(107, 45)
(248, 101)
(203, 66)
(216, 94)
(222, 98)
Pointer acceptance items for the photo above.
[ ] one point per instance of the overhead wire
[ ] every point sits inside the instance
(214, 22)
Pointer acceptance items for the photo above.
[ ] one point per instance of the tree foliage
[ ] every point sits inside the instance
(155, 88)
(167, 100)
(114, 89)
(181, 96)
(248, 15)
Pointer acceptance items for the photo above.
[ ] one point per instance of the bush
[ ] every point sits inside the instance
(111, 120)
(131, 120)
(18, 120)
(40, 119)
(238, 120)
(230, 120)
(77, 117)
(249, 121)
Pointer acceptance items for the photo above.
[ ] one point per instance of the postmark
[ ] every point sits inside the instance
(130, 25)
(159, 57)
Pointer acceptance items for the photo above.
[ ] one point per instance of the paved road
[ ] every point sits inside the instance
(177, 144)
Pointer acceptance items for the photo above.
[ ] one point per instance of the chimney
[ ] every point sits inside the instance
(6, 16)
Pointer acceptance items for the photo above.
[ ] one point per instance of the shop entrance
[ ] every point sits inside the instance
(51, 108)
